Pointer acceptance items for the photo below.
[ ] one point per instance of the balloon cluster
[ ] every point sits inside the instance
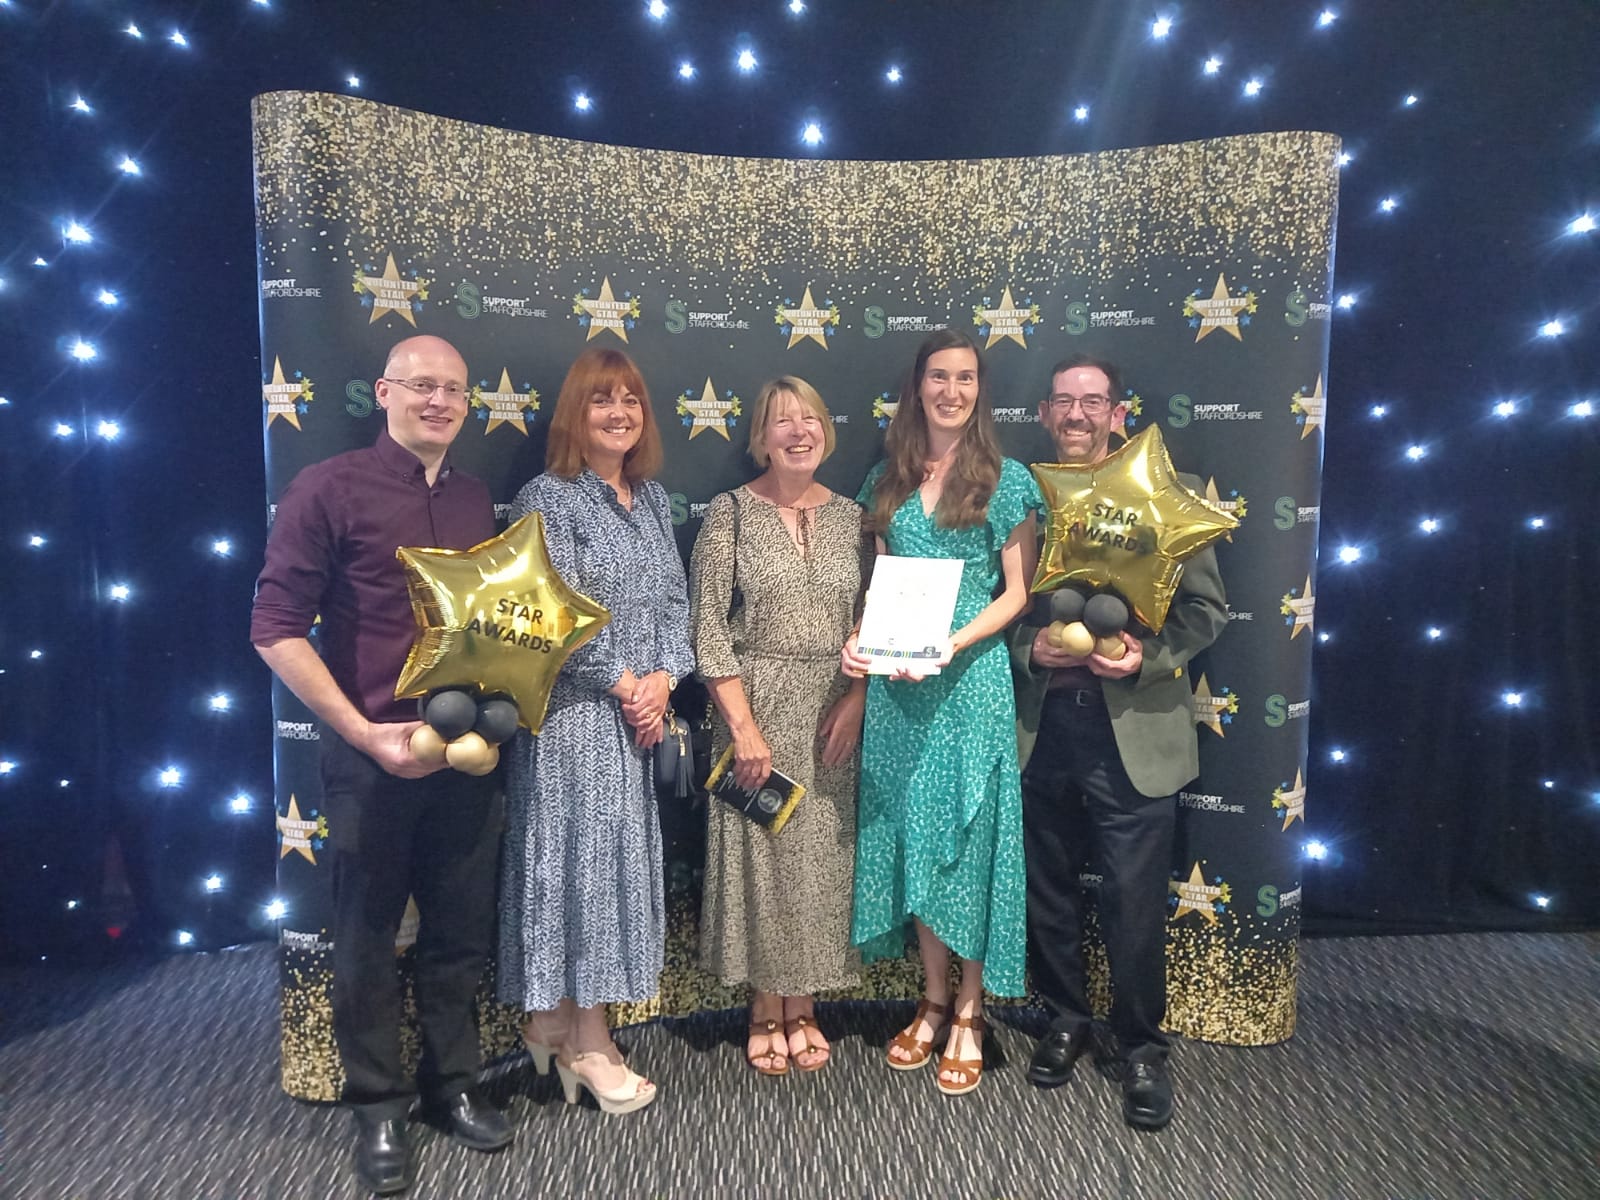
(463, 730)
(1084, 625)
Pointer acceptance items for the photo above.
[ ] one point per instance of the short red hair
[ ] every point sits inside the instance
(600, 370)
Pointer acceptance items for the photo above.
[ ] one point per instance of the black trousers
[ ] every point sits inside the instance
(437, 839)
(1080, 810)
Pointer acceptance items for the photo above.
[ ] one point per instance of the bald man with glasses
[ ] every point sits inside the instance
(397, 827)
(1105, 745)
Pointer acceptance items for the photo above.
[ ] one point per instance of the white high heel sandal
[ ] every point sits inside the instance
(633, 1093)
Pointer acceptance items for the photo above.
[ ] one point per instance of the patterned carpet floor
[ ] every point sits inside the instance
(1450, 1066)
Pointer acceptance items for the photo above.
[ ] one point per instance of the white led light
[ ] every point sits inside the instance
(221, 547)
(1252, 87)
(177, 38)
(1212, 65)
(108, 298)
(119, 591)
(108, 430)
(1552, 328)
(1379, 411)
(1326, 17)
(811, 135)
(75, 232)
(79, 104)
(1581, 408)
(83, 351)
(1337, 755)
(1434, 633)
(185, 938)
(1346, 158)
(1428, 525)
(61, 783)
(686, 70)
(7, 766)
(1581, 224)
(1410, 100)
(1081, 113)
(72, 904)
(128, 166)
(1315, 850)
(1324, 636)
(581, 102)
(276, 910)
(35, 654)
(39, 261)
(747, 60)
(1535, 522)
(63, 430)
(1346, 300)
(1547, 784)
(170, 777)
(221, 702)
(1160, 27)
(133, 30)
(1541, 901)
(797, 6)
(657, 9)
(213, 883)
(1505, 408)
(352, 81)
(36, 540)
(1416, 453)
(239, 804)
(1388, 204)
(1511, 699)
(892, 75)
(1349, 554)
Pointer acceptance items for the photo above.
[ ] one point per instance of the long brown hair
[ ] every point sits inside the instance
(975, 467)
(599, 370)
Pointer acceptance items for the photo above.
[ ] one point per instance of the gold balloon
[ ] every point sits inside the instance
(1125, 522)
(1076, 639)
(1111, 646)
(496, 617)
(427, 746)
(1052, 633)
(472, 754)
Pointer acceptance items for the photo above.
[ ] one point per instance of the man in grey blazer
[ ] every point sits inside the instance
(1105, 745)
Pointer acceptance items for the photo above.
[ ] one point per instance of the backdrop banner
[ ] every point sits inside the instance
(1203, 269)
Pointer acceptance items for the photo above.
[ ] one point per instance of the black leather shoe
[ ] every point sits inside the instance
(1146, 1094)
(1053, 1057)
(383, 1154)
(474, 1122)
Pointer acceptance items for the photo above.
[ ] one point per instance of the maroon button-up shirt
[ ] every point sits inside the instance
(331, 551)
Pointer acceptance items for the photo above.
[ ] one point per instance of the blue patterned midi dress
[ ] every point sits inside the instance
(939, 832)
(582, 898)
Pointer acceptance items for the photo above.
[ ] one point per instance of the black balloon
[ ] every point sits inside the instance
(1066, 605)
(497, 720)
(451, 712)
(1105, 614)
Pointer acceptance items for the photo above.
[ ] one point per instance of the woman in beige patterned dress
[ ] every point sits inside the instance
(775, 587)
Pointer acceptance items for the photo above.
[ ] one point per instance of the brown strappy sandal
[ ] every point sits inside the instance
(798, 1025)
(968, 1071)
(771, 1031)
(919, 1053)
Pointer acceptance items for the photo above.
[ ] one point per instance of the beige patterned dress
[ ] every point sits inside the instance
(776, 909)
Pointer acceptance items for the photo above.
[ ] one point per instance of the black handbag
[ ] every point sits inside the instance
(675, 758)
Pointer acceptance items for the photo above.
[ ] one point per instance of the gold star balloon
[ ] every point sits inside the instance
(497, 617)
(1125, 522)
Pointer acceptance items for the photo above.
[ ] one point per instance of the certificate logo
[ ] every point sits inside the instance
(807, 320)
(286, 398)
(1298, 609)
(1291, 801)
(1220, 310)
(1006, 321)
(1195, 895)
(708, 410)
(1309, 409)
(504, 405)
(605, 313)
(390, 293)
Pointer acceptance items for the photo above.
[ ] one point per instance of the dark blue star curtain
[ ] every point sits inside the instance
(1453, 780)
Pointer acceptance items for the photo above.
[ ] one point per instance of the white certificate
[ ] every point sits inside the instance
(910, 605)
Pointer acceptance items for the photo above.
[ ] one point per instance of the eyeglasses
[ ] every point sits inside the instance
(427, 387)
(1093, 405)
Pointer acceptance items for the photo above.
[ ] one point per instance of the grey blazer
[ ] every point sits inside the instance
(1152, 713)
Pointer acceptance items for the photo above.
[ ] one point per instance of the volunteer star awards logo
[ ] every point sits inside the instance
(388, 293)
(302, 836)
(504, 406)
(710, 411)
(884, 406)
(1129, 427)
(1309, 411)
(606, 312)
(1007, 320)
(1235, 505)
(807, 321)
(1291, 801)
(1214, 711)
(1218, 311)
(1195, 895)
(285, 399)
(1298, 611)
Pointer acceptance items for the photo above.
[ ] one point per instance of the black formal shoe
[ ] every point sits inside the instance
(1053, 1057)
(1146, 1094)
(474, 1122)
(383, 1154)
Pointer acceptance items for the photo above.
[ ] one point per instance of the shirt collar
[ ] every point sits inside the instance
(402, 462)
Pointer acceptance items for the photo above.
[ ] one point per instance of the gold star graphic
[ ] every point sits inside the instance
(807, 321)
(1291, 800)
(390, 293)
(410, 922)
(1221, 311)
(1313, 408)
(1195, 895)
(505, 406)
(1300, 609)
(607, 312)
(1208, 709)
(295, 833)
(1006, 321)
(497, 617)
(1235, 507)
(281, 396)
(708, 412)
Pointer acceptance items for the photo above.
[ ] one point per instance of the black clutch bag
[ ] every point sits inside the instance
(769, 804)
(674, 755)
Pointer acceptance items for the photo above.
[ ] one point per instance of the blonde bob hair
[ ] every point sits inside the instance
(761, 414)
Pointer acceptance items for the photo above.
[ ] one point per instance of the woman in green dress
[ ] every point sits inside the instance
(939, 831)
